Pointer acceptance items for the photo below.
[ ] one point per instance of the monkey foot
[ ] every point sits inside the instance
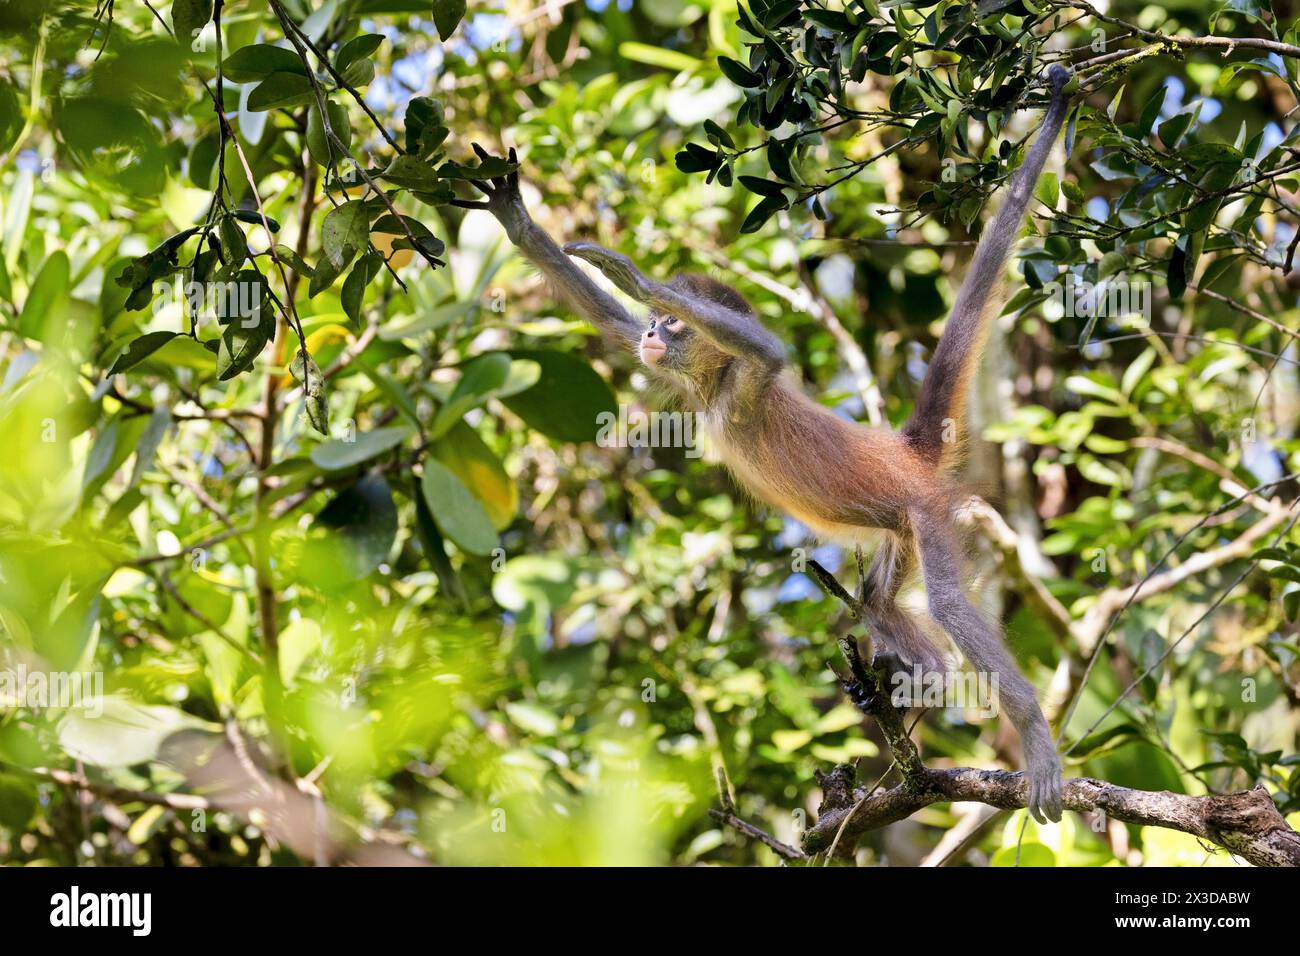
(1045, 798)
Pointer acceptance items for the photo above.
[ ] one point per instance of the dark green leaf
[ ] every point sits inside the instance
(568, 399)
(280, 89)
(351, 535)
(447, 15)
(252, 63)
(140, 349)
(337, 454)
(345, 232)
(738, 73)
(188, 19)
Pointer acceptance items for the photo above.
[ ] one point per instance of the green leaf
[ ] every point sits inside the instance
(318, 144)
(1173, 129)
(762, 213)
(696, 159)
(280, 89)
(240, 344)
(568, 400)
(252, 63)
(456, 511)
(297, 642)
(11, 115)
(1031, 854)
(352, 535)
(140, 349)
(1151, 112)
(763, 187)
(490, 168)
(652, 55)
(188, 19)
(480, 380)
(1218, 176)
(354, 286)
(17, 803)
(434, 549)
(125, 733)
(738, 73)
(291, 258)
(410, 173)
(322, 277)
(1048, 189)
(345, 232)
(424, 129)
(234, 247)
(358, 48)
(49, 287)
(447, 15)
(474, 463)
(336, 455)
(719, 135)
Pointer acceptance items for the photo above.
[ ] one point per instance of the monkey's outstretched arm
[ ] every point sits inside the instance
(592, 302)
(740, 335)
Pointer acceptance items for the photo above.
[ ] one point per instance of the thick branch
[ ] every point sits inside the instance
(1246, 822)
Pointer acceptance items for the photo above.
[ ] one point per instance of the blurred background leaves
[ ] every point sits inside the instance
(403, 574)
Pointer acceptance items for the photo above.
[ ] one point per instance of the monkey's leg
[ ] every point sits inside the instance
(897, 631)
(983, 647)
(893, 561)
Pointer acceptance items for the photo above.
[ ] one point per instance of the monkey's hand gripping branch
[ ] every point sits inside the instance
(506, 203)
(504, 200)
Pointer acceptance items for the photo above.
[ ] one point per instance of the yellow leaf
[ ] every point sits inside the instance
(470, 460)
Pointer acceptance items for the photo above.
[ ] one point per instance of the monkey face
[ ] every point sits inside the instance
(664, 342)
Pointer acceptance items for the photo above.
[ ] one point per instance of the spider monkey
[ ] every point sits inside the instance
(846, 482)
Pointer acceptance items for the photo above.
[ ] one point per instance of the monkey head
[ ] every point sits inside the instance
(668, 343)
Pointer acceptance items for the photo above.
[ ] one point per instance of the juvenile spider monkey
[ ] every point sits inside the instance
(845, 481)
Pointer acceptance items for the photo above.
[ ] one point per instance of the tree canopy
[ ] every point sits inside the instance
(308, 482)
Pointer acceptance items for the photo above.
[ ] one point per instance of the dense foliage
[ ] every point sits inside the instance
(301, 458)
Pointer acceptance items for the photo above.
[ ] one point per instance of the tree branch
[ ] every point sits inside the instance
(1246, 822)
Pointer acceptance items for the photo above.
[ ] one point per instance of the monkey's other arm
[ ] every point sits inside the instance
(734, 333)
(592, 302)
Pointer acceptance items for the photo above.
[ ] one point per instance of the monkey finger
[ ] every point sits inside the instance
(483, 186)
(512, 178)
(1032, 798)
(598, 255)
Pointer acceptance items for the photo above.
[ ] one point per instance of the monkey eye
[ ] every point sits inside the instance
(674, 324)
